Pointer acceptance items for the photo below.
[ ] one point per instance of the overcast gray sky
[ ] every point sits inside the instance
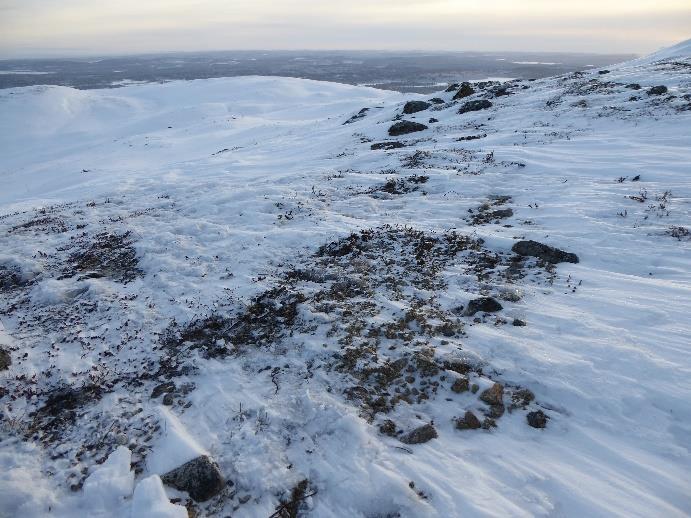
(68, 27)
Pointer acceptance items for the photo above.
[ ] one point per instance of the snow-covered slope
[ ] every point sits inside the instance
(223, 269)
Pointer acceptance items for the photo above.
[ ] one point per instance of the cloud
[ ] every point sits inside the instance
(157, 25)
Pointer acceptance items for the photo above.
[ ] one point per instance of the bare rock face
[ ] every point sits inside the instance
(493, 395)
(420, 435)
(545, 252)
(200, 477)
(405, 127)
(415, 106)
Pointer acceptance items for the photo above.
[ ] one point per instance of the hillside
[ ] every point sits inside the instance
(331, 311)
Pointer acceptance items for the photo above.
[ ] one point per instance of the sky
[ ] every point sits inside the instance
(38, 28)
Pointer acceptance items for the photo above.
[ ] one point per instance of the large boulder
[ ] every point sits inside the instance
(547, 253)
(464, 91)
(200, 477)
(405, 127)
(415, 106)
(474, 106)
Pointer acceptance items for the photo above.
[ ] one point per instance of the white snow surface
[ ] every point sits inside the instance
(222, 186)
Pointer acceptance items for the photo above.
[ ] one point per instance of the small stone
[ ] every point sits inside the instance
(493, 395)
(468, 422)
(420, 435)
(517, 322)
(168, 399)
(460, 385)
(200, 477)
(388, 427)
(484, 304)
(433, 120)
(537, 419)
(474, 388)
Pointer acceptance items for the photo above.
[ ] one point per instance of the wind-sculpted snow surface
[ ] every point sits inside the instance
(218, 298)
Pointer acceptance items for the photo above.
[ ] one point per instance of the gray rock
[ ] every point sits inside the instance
(200, 477)
(420, 435)
(452, 87)
(545, 252)
(415, 106)
(474, 106)
(464, 91)
(493, 395)
(484, 304)
(405, 127)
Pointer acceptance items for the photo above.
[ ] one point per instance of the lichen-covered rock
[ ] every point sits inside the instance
(420, 435)
(200, 477)
(545, 252)
(493, 395)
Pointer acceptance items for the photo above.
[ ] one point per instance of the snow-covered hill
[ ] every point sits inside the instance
(253, 275)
